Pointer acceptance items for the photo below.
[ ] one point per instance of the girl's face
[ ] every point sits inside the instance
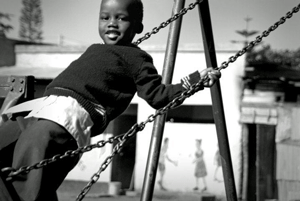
(116, 26)
(198, 143)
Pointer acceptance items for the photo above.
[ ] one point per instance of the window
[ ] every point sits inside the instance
(191, 114)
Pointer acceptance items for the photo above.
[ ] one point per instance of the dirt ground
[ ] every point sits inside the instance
(174, 196)
(69, 192)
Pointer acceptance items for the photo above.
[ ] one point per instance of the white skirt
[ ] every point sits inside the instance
(65, 111)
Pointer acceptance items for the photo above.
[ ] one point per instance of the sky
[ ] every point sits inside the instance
(75, 22)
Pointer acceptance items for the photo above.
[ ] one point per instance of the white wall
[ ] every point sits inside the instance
(47, 56)
(45, 60)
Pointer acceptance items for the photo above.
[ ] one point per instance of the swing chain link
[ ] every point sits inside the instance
(70, 153)
(155, 30)
(117, 148)
(260, 37)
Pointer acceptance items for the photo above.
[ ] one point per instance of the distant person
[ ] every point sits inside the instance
(81, 101)
(163, 158)
(200, 167)
(218, 163)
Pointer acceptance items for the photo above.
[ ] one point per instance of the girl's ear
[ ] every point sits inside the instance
(139, 27)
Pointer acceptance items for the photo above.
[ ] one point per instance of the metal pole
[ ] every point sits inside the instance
(159, 123)
(216, 96)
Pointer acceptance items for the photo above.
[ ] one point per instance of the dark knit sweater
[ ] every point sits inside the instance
(111, 75)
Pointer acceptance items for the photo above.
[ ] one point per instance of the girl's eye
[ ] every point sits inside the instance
(123, 18)
(104, 18)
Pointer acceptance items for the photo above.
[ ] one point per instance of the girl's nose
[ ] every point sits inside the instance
(112, 22)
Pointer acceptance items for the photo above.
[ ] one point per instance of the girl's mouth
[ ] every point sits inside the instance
(112, 34)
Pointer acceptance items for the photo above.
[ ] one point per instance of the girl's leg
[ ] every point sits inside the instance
(197, 184)
(162, 187)
(204, 184)
(42, 140)
(9, 133)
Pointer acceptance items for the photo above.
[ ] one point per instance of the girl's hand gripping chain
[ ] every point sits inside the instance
(208, 76)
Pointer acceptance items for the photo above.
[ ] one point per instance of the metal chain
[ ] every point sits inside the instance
(260, 37)
(11, 172)
(117, 148)
(155, 30)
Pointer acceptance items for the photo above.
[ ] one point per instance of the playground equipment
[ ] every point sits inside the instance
(158, 118)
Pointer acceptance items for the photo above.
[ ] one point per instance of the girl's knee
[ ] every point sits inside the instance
(9, 133)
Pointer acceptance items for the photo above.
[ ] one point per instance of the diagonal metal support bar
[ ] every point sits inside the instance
(218, 111)
(159, 123)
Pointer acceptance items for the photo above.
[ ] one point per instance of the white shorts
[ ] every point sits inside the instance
(65, 111)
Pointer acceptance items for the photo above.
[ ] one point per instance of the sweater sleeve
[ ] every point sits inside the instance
(150, 87)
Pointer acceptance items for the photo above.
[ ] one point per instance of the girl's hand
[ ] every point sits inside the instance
(209, 76)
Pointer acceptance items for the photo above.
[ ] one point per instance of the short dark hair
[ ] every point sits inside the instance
(137, 10)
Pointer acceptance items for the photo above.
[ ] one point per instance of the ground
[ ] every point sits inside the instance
(70, 190)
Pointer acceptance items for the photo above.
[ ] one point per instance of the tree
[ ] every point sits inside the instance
(245, 33)
(266, 57)
(4, 27)
(31, 21)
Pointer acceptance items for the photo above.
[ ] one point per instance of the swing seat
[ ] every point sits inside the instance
(14, 90)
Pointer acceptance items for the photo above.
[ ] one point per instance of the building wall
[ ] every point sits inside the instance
(7, 52)
(46, 56)
(182, 136)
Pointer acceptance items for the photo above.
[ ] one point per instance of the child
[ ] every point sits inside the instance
(163, 157)
(200, 168)
(81, 101)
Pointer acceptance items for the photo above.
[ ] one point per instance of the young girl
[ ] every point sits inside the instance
(200, 167)
(81, 101)
(163, 157)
